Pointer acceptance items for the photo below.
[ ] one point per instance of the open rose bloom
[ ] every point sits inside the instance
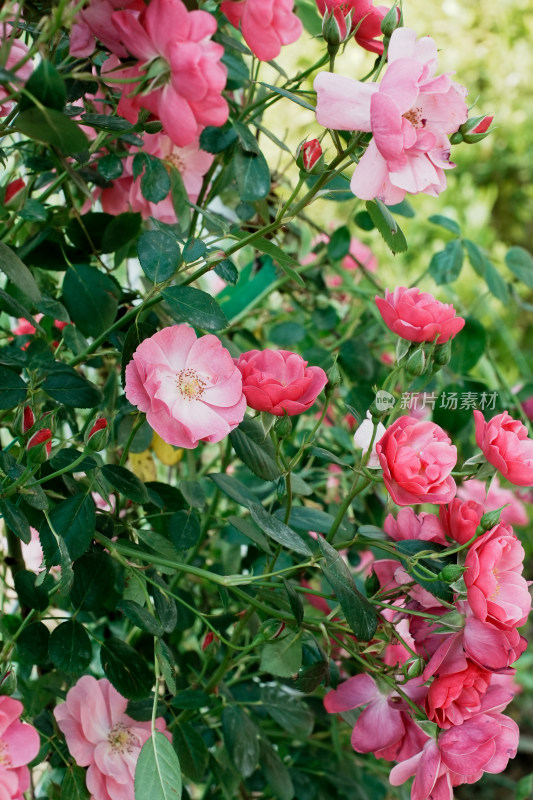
(417, 316)
(506, 445)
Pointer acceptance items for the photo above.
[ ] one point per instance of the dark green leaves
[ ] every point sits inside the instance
(252, 174)
(47, 86)
(283, 656)
(91, 298)
(520, 262)
(155, 181)
(192, 752)
(184, 528)
(50, 127)
(195, 307)
(359, 613)
(12, 388)
(94, 577)
(241, 740)
(126, 669)
(248, 441)
(74, 520)
(446, 265)
(486, 269)
(387, 226)
(277, 530)
(141, 617)
(159, 255)
(18, 273)
(126, 483)
(70, 647)
(285, 261)
(70, 388)
(29, 594)
(15, 520)
(158, 773)
(339, 244)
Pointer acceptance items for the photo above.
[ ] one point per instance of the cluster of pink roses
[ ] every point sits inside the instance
(192, 390)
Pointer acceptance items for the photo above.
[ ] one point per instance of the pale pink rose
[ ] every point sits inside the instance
(513, 514)
(359, 255)
(460, 519)
(408, 525)
(279, 381)
(453, 698)
(17, 50)
(188, 96)
(94, 22)
(496, 591)
(189, 388)
(266, 25)
(417, 459)
(411, 113)
(19, 744)
(417, 316)
(385, 727)
(101, 736)
(506, 445)
(366, 18)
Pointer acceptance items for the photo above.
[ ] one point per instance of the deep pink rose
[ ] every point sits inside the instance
(514, 512)
(490, 646)
(410, 113)
(19, 744)
(189, 388)
(266, 25)
(408, 525)
(506, 445)
(279, 381)
(101, 736)
(188, 94)
(454, 698)
(365, 17)
(417, 316)
(94, 22)
(460, 519)
(417, 458)
(496, 591)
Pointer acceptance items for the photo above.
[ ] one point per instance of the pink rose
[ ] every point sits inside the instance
(417, 316)
(266, 25)
(455, 697)
(19, 744)
(496, 591)
(506, 445)
(513, 514)
(408, 525)
(460, 519)
(189, 388)
(417, 458)
(365, 17)
(17, 51)
(411, 114)
(279, 381)
(490, 646)
(101, 736)
(188, 94)
(93, 22)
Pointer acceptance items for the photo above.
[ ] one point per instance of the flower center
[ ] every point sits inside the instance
(176, 161)
(189, 384)
(414, 116)
(121, 738)
(5, 760)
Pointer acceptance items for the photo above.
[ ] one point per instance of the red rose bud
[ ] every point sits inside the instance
(13, 189)
(337, 25)
(476, 128)
(97, 437)
(310, 157)
(28, 419)
(40, 445)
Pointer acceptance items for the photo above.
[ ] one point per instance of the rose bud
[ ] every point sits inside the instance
(39, 446)
(476, 128)
(310, 157)
(28, 419)
(97, 436)
(337, 25)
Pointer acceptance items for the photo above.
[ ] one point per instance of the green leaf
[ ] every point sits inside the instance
(252, 174)
(70, 388)
(191, 699)
(73, 786)
(74, 520)
(125, 482)
(180, 199)
(468, 346)
(195, 307)
(110, 167)
(520, 263)
(233, 488)
(193, 250)
(19, 274)
(241, 740)
(121, 230)
(165, 605)
(387, 226)
(290, 712)
(192, 751)
(140, 617)
(91, 298)
(15, 520)
(285, 261)
(32, 644)
(166, 660)
(159, 255)
(446, 222)
(94, 578)
(70, 647)
(227, 271)
(158, 772)
(289, 95)
(309, 519)
(155, 180)
(30, 595)
(127, 671)
(275, 771)
(53, 128)
(66, 457)
(524, 787)
(446, 265)
(339, 243)
(295, 601)
(47, 86)
(277, 530)
(248, 441)
(486, 269)
(359, 613)
(215, 140)
(105, 122)
(184, 530)
(283, 656)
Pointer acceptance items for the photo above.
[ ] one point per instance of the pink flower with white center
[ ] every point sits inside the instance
(417, 316)
(101, 736)
(189, 387)
(475, 491)
(408, 525)
(496, 591)
(186, 80)
(506, 445)
(266, 25)
(410, 113)
(385, 727)
(417, 459)
(19, 744)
